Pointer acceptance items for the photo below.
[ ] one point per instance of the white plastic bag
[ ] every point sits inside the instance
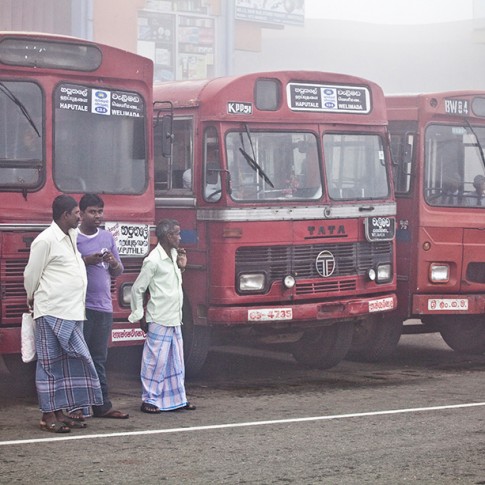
(27, 336)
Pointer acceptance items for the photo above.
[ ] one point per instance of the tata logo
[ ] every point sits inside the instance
(101, 109)
(101, 94)
(325, 264)
(332, 230)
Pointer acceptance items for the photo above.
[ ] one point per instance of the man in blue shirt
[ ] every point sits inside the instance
(102, 261)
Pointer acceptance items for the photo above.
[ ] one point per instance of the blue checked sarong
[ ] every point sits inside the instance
(65, 377)
(163, 369)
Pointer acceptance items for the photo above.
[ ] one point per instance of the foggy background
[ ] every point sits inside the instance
(403, 45)
(401, 58)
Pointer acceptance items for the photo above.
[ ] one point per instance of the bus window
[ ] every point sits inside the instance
(99, 141)
(273, 165)
(402, 146)
(355, 166)
(453, 162)
(212, 164)
(21, 134)
(179, 166)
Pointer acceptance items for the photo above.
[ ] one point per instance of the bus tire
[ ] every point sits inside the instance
(463, 333)
(375, 339)
(197, 340)
(324, 347)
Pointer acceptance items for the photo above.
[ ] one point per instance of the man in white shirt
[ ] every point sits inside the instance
(163, 370)
(55, 281)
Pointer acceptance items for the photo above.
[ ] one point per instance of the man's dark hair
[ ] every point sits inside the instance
(62, 203)
(164, 227)
(90, 200)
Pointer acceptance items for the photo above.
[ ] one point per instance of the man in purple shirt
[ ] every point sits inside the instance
(102, 261)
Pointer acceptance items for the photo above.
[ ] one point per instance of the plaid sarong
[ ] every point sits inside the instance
(163, 369)
(65, 376)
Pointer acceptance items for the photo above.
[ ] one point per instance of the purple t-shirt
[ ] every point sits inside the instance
(98, 295)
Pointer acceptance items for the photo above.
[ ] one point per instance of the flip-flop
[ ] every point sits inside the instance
(71, 423)
(76, 416)
(55, 427)
(149, 408)
(113, 414)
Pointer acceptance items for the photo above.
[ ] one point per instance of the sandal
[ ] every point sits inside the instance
(55, 427)
(76, 416)
(149, 408)
(73, 422)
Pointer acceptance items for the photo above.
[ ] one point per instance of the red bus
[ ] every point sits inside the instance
(438, 143)
(282, 184)
(75, 117)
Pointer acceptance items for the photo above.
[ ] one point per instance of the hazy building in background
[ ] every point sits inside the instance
(190, 39)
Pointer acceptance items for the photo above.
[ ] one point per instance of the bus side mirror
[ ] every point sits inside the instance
(167, 136)
(212, 173)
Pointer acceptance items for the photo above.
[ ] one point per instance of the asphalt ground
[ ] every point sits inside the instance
(262, 418)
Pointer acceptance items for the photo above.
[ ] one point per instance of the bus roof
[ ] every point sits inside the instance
(133, 65)
(463, 103)
(211, 96)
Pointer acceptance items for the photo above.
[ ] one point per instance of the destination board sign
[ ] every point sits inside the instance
(328, 98)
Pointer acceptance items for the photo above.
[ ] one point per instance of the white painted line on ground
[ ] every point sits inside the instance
(240, 425)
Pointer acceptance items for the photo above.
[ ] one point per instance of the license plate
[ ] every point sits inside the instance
(268, 314)
(438, 304)
(381, 305)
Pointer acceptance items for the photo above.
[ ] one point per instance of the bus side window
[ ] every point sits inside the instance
(169, 172)
(212, 166)
(402, 147)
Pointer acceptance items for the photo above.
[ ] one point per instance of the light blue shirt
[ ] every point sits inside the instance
(161, 276)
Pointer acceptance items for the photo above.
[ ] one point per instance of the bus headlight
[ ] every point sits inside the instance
(439, 273)
(289, 281)
(384, 273)
(251, 282)
(125, 295)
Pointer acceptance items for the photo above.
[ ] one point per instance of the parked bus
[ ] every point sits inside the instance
(438, 145)
(281, 182)
(75, 117)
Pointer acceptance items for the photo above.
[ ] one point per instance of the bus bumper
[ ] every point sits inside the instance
(446, 304)
(302, 312)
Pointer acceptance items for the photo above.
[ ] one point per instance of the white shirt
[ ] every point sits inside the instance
(162, 277)
(55, 276)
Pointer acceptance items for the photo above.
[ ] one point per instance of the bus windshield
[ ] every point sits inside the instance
(99, 141)
(273, 165)
(21, 132)
(454, 166)
(355, 166)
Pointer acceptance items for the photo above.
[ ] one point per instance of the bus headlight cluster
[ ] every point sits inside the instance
(251, 282)
(381, 274)
(439, 273)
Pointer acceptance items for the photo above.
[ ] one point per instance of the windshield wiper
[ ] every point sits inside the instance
(21, 106)
(256, 167)
(478, 144)
(251, 160)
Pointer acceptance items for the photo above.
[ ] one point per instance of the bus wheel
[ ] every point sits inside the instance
(375, 338)
(463, 333)
(22, 373)
(324, 347)
(197, 341)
